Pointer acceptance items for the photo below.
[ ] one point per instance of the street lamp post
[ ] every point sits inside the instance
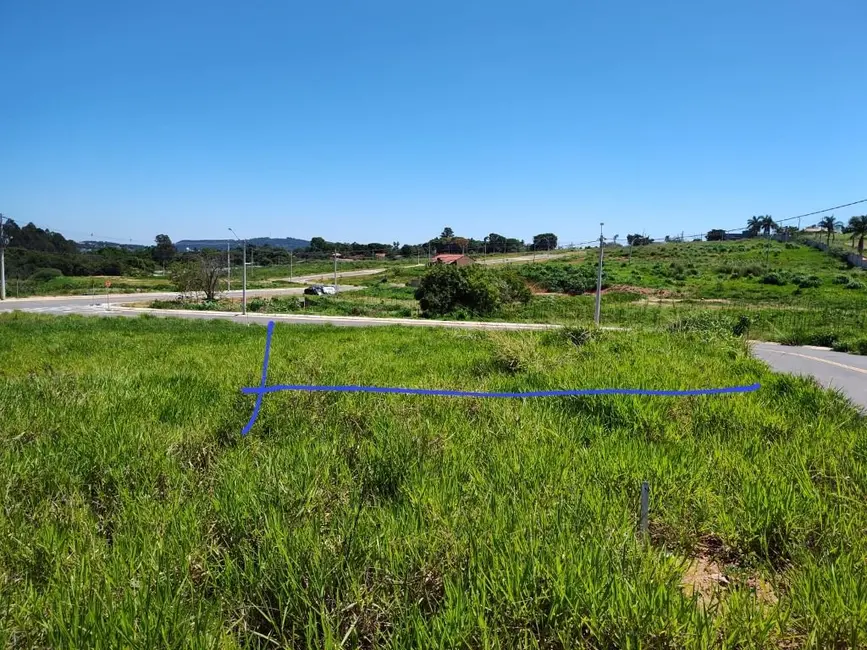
(336, 255)
(228, 267)
(2, 261)
(243, 275)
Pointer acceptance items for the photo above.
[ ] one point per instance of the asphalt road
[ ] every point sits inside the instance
(74, 304)
(96, 306)
(846, 372)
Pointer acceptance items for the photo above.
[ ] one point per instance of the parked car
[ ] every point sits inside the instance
(320, 290)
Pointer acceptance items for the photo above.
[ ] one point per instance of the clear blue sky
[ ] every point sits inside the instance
(387, 120)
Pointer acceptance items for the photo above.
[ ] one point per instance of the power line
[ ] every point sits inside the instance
(799, 216)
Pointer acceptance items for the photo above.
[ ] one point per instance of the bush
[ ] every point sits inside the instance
(45, 275)
(562, 278)
(773, 278)
(854, 284)
(579, 335)
(468, 290)
(807, 281)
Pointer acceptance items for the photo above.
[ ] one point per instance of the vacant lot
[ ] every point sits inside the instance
(134, 512)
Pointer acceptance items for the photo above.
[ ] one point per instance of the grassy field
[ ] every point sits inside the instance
(136, 515)
(790, 293)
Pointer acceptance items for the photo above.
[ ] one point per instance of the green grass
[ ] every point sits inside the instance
(85, 285)
(135, 514)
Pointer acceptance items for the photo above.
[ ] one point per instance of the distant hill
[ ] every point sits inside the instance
(289, 243)
(91, 246)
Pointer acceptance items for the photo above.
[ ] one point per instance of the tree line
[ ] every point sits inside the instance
(764, 224)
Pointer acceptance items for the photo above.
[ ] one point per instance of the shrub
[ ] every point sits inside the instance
(257, 304)
(854, 284)
(468, 290)
(44, 275)
(742, 326)
(807, 281)
(579, 335)
(773, 278)
(561, 278)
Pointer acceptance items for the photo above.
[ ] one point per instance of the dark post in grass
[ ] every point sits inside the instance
(645, 507)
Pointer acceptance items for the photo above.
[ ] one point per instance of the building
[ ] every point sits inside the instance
(456, 259)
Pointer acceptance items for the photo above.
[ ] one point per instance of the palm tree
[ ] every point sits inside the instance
(767, 224)
(754, 225)
(830, 225)
(858, 228)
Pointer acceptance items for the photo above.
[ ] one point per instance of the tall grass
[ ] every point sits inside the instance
(135, 514)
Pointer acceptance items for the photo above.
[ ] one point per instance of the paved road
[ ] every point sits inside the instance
(84, 308)
(846, 372)
(72, 304)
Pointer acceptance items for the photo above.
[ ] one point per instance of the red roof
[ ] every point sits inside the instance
(447, 258)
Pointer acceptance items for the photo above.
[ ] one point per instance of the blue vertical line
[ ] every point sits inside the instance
(261, 395)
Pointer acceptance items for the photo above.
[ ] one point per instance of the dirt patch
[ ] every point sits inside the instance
(708, 577)
(642, 291)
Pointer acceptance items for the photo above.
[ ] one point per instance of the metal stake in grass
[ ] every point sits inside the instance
(645, 507)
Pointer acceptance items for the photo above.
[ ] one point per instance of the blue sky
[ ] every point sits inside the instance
(387, 120)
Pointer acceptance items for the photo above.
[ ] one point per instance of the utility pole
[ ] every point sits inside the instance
(243, 275)
(2, 261)
(290, 266)
(336, 255)
(598, 312)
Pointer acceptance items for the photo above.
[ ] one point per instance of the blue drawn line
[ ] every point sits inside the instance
(262, 389)
(261, 395)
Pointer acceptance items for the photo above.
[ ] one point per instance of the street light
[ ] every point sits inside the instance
(2, 261)
(244, 285)
(336, 255)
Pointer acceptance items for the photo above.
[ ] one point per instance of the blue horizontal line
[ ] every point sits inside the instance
(263, 390)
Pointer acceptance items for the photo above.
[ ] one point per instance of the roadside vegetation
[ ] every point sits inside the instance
(135, 514)
(787, 292)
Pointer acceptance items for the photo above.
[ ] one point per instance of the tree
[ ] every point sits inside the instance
(496, 243)
(615, 239)
(763, 223)
(638, 240)
(200, 274)
(858, 229)
(829, 225)
(447, 233)
(546, 241)
(318, 244)
(717, 234)
(462, 243)
(754, 226)
(164, 251)
(447, 288)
